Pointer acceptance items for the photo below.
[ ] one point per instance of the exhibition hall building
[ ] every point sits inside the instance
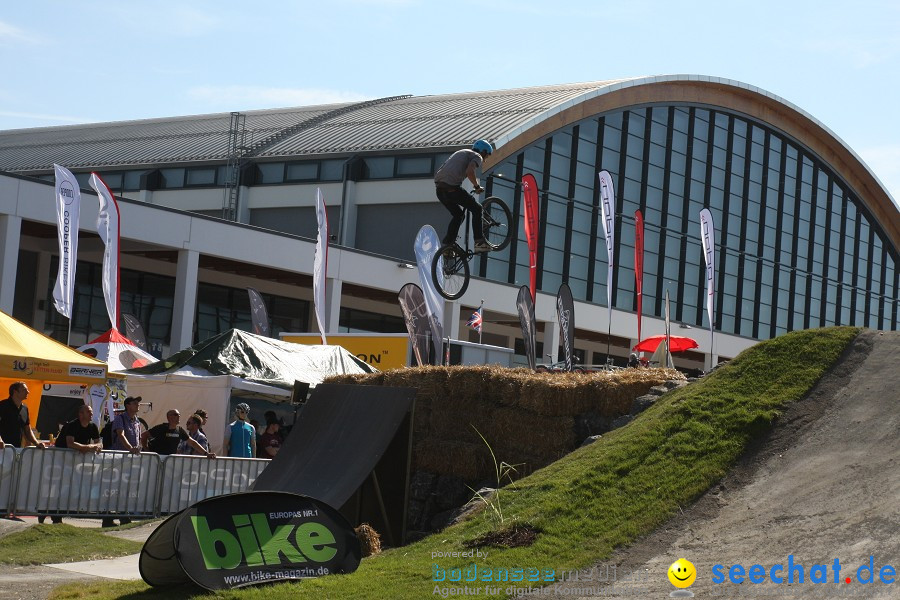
(805, 234)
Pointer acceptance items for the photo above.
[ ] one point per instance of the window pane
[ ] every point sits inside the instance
(201, 176)
(305, 171)
(408, 166)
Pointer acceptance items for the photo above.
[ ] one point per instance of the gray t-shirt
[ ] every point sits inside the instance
(453, 171)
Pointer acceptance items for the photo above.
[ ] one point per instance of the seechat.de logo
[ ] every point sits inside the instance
(682, 574)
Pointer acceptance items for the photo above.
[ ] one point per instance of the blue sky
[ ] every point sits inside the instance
(74, 62)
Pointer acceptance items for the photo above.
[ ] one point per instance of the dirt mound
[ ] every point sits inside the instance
(824, 485)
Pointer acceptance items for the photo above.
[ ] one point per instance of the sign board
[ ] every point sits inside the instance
(250, 538)
(384, 351)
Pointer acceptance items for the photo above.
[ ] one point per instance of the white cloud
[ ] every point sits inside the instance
(11, 33)
(246, 97)
(165, 19)
(884, 161)
(859, 53)
(43, 117)
(383, 3)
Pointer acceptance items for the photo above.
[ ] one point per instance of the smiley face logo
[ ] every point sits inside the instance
(682, 573)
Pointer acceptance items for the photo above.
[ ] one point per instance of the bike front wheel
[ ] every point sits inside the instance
(450, 271)
(496, 223)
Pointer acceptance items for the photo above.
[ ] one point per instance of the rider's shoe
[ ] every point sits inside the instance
(482, 246)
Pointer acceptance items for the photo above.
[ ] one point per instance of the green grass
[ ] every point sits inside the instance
(43, 544)
(599, 497)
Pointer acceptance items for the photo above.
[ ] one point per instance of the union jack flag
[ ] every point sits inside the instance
(475, 320)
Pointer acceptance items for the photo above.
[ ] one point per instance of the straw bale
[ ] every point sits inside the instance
(528, 418)
(468, 461)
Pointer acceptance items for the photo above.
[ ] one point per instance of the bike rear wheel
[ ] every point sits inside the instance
(496, 223)
(450, 271)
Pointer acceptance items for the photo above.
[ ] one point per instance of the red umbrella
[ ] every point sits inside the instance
(677, 343)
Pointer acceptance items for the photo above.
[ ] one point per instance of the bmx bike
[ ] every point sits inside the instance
(450, 265)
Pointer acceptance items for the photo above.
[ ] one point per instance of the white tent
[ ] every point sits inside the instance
(117, 351)
(187, 390)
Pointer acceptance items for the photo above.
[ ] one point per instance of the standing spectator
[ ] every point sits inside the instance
(127, 428)
(633, 361)
(81, 433)
(203, 417)
(240, 437)
(126, 431)
(196, 443)
(165, 437)
(270, 442)
(15, 423)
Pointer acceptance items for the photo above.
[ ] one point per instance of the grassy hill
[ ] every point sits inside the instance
(591, 501)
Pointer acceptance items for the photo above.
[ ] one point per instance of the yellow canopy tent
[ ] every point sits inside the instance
(30, 356)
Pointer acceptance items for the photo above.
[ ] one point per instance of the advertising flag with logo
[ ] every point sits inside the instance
(708, 239)
(259, 317)
(320, 266)
(565, 311)
(532, 226)
(108, 229)
(608, 214)
(525, 307)
(415, 314)
(68, 214)
(426, 245)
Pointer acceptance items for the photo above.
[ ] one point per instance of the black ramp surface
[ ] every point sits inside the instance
(339, 437)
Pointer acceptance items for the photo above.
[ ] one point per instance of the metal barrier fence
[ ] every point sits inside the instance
(189, 479)
(62, 482)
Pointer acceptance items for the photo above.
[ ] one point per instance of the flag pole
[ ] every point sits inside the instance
(481, 327)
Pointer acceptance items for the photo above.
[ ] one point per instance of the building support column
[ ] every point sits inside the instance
(551, 342)
(451, 319)
(185, 300)
(243, 206)
(10, 235)
(346, 229)
(42, 284)
(333, 291)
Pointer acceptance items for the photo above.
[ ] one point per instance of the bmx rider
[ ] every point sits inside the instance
(463, 164)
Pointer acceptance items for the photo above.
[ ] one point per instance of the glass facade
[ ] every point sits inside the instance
(795, 249)
(150, 298)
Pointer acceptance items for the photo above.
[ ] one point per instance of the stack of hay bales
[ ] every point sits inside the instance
(529, 419)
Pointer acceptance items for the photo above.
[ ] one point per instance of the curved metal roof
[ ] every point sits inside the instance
(510, 118)
(393, 123)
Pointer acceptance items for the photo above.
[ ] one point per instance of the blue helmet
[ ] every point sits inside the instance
(483, 147)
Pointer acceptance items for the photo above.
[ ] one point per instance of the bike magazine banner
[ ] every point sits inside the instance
(639, 265)
(427, 244)
(108, 229)
(250, 538)
(259, 317)
(68, 214)
(525, 307)
(608, 212)
(415, 315)
(532, 226)
(708, 239)
(565, 311)
(320, 266)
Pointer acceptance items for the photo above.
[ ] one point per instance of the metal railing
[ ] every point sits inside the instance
(62, 482)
